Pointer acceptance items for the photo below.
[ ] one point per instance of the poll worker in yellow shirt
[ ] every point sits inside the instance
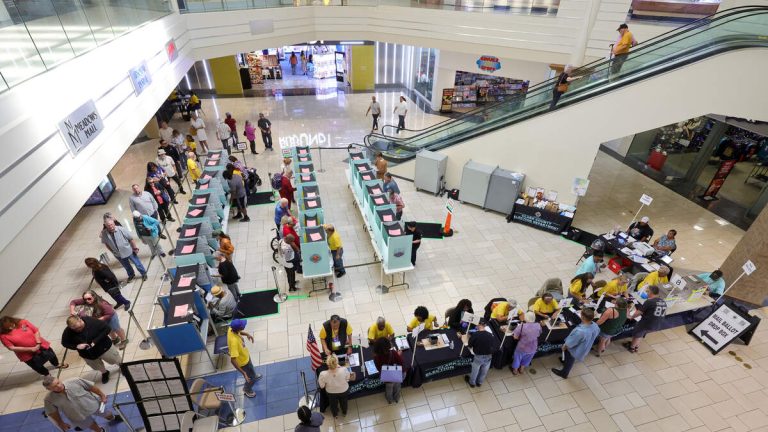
(502, 310)
(659, 277)
(621, 48)
(422, 315)
(544, 307)
(337, 249)
(380, 329)
(616, 287)
(241, 358)
(336, 336)
(579, 285)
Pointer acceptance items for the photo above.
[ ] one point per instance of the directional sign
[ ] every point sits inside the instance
(646, 199)
(225, 397)
(720, 328)
(749, 267)
(678, 282)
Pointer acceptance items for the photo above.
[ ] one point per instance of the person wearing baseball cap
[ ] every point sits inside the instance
(640, 230)
(483, 344)
(241, 358)
(621, 48)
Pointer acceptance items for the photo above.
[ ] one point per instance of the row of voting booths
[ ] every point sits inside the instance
(186, 320)
(391, 241)
(315, 254)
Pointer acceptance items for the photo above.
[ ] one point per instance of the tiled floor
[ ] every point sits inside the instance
(673, 384)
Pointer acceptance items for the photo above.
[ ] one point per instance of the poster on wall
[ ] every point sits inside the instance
(446, 102)
(717, 181)
(81, 127)
(170, 50)
(140, 78)
(488, 63)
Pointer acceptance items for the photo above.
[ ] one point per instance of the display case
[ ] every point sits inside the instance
(475, 178)
(103, 192)
(504, 188)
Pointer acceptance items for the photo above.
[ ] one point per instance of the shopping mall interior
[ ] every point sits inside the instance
(639, 182)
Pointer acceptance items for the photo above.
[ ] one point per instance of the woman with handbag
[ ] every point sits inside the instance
(384, 357)
(561, 86)
(92, 305)
(335, 382)
(23, 338)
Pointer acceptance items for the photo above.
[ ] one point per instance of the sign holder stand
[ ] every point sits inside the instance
(643, 199)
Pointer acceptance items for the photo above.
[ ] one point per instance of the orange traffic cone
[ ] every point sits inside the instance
(447, 231)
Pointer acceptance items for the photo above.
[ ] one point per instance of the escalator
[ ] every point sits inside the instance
(729, 30)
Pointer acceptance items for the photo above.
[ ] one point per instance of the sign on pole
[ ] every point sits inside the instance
(678, 282)
(225, 397)
(646, 199)
(749, 267)
(720, 328)
(449, 205)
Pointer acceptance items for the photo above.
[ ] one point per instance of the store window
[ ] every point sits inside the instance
(425, 74)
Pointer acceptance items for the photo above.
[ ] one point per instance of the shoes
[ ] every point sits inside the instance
(559, 373)
(130, 278)
(237, 216)
(245, 219)
(250, 394)
(105, 377)
(294, 289)
(127, 306)
(144, 277)
(466, 378)
(629, 347)
(171, 220)
(162, 236)
(175, 202)
(162, 255)
(116, 419)
(340, 274)
(182, 191)
(121, 346)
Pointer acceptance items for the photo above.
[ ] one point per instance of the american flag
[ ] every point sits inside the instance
(314, 352)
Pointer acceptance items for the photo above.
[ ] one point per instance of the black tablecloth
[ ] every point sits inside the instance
(539, 218)
(613, 246)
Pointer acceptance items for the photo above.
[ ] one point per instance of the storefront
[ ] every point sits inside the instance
(473, 89)
(314, 61)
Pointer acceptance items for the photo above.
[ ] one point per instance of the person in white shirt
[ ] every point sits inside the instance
(291, 260)
(401, 110)
(166, 132)
(335, 381)
(223, 133)
(201, 137)
(375, 109)
(169, 166)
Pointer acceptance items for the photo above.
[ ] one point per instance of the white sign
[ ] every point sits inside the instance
(720, 328)
(749, 267)
(241, 145)
(305, 140)
(415, 332)
(81, 127)
(449, 205)
(467, 317)
(646, 199)
(140, 78)
(564, 303)
(678, 282)
(225, 397)
(579, 186)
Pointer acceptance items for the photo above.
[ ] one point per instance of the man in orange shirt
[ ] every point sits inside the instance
(621, 48)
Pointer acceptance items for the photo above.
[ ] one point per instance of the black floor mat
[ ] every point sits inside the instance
(430, 230)
(582, 237)
(256, 304)
(260, 198)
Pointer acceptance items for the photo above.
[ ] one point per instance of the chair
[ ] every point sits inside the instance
(448, 314)
(489, 307)
(553, 285)
(220, 348)
(531, 301)
(636, 279)
(205, 424)
(203, 396)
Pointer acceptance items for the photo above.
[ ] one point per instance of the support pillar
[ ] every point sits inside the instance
(225, 74)
(753, 246)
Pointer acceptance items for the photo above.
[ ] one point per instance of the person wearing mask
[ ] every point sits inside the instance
(578, 343)
(335, 382)
(123, 246)
(237, 194)
(527, 335)
(193, 166)
(293, 62)
(107, 280)
(384, 355)
(308, 421)
(168, 164)
(591, 264)
(289, 228)
(249, 131)
(160, 195)
(454, 320)
(421, 315)
(375, 109)
(611, 324)
(286, 187)
(483, 344)
(544, 307)
(381, 166)
(390, 183)
(79, 400)
(397, 200)
(201, 137)
(652, 313)
(381, 329)
(658, 277)
(265, 126)
(401, 109)
(223, 304)
(621, 48)
(336, 336)
(337, 250)
(223, 134)
(90, 338)
(92, 305)
(225, 246)
(228, 274)
(666, 244)
(715, 283)
(148, 230)
(616, 287)
(239, 355)
(640, 230)
(416, 243)
(24, 340)
(291, 259)
(579, 285)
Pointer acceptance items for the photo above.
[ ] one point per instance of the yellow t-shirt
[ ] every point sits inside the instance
(612, 288)
(546, 308)
(427, 324)
(194, 169)
(194, 100)
(191, 144)
(623, 45)
(334, 241)
(501, 310)
(335, 337)
(374, 332)
(653, 278)
(237, 349)
(577, 288)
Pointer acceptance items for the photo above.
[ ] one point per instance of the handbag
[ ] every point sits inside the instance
(562, 88)
(392, 374)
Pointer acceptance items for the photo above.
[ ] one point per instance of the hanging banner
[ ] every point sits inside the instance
(446, 103)
(717, 181)
(488, 63)
(81, 127)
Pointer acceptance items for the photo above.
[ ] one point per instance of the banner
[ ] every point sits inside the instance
(717, 181)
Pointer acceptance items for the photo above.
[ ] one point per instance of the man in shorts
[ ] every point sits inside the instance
(79, 400)
(653, 312)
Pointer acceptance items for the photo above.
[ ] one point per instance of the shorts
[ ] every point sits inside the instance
(85, 424)
(114, 322)
(608, 336)
(640, 332)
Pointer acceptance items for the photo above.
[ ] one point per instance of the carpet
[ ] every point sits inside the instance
(257, 304)
(430, 230)
(260, 198)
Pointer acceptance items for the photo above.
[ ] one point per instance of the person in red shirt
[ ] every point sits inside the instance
(232, 123)
(286, 188)
(289, 227)
(23, 338)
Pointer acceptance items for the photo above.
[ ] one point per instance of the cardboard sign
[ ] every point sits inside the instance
(720, 328)
(646, 199)
(225, 397)
(749, 267)
(678, 282)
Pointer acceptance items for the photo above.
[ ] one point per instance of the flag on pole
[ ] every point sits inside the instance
(314, 352)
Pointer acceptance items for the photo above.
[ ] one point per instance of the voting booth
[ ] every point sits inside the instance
(194, 246)
(315, 254)
(311, 218)
(213, 179)
(199, 227)
(212, 196)
(211, 214)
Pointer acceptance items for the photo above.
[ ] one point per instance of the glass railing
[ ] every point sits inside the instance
(517, 7)
(37, 35)
(731, 29)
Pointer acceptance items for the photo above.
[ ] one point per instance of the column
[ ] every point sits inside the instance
(362, 72)
(152, 129)
(226, 75)
(590, 16)
(753, 246)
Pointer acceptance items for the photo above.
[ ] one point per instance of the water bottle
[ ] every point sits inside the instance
(451, 344)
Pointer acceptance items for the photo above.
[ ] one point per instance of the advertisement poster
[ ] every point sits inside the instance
(488, 63)
(446, 104)
(341, 66)
(719, 178)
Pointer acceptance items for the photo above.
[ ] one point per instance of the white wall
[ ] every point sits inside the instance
(620, 145)
(42, 187)
(554, 148)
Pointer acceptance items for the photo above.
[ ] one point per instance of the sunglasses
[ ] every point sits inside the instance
(88, 298)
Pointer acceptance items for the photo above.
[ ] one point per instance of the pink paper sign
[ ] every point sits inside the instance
(315, 236)
(180, 311)
(187, 249)
(215, 156)
(311, 194)
(185, 281)
(378, 201)
(195, 212)
(200, 201)
(311, 204)
(386, 218)
(190, 232)
(376, 191)
(203, 187)
(305, 170)
(394, 232)
(311, 223)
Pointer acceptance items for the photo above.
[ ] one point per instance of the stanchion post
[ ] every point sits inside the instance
(280, 297)
(320, 156)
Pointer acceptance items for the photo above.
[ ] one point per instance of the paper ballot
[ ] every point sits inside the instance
(370, 367)
(354, 360)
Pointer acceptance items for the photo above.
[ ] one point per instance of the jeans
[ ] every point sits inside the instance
(267, 138)
(568, 364)
(375, 121)
(392, 392)
(400, 123)
(235, 290)
(617, 63)
(37, 363)
(291, 273)
(413, 255)
(126, 262)
(117, 296)
(253, 146)
(164, 212)
(251, 372)
(177, 179)
(555, 98)
(338, 263)
(293, 69)
(480, 366)
(154, 245)
(335, 399)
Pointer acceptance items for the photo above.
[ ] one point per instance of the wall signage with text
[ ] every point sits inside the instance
(81, 127)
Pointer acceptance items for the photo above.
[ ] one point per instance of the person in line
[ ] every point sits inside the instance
(24, 340)
(200, 136)
(621, 48)
(223, 304)
(92, 305)
(225, 245)
(177, 142)
(337, 249)
(228, 274)
(397, 200)
(336, 336)
(384, 355)
(160, 195)
(165, 131)
(168, 164)
(666, 244)
(375, 109)
(335, 382)
(282, 209)
(293, 62)
(416, 243)
(390, 183)
(289, 224)
(79, 400)
(652, 313)
(291, 259)
(232, 123)
(90, 338)
(715, 283)
(142, 201)
(286, 187)
(309, 421)
(381, 329)
(616, 287)
(527, 335)
(237, 194)
(579, 284)
(155, 174)
(591, 264)
(239, 166)
(303, 63)
(501, 312)
(640, 230)
(123, 246)
(544, 307)
(483, 344)
(421, 315)
(190, 144)
(561, 85)
(239, 355)
(286, 165)
(611, 324)
(148, 230)
(193, 166)
(454, 320)
(223, 134)
(249, 131)
(658, 277)
(578, 343)
(265, 126)
(107, 280)
(381, 166)
(401, 109)
(310, 67)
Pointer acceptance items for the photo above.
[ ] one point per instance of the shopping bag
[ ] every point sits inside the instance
(392, 374)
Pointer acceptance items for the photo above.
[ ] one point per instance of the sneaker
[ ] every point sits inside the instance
(559, 373)
(105, 377)
(127, 306)
(183, 192)
(144, 277)
(130, 278)
(171, 220)
(466, 378)
(121, 346)
(250, 394)
(245, 219)
(237, 216)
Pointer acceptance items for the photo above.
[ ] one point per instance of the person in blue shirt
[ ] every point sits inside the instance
(579, 342)
(148, 229)
(715, 283)
(390, 184)
(591, 264)
(281, 209)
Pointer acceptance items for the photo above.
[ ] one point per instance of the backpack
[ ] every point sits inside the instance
(141, 229)
(277, 180)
